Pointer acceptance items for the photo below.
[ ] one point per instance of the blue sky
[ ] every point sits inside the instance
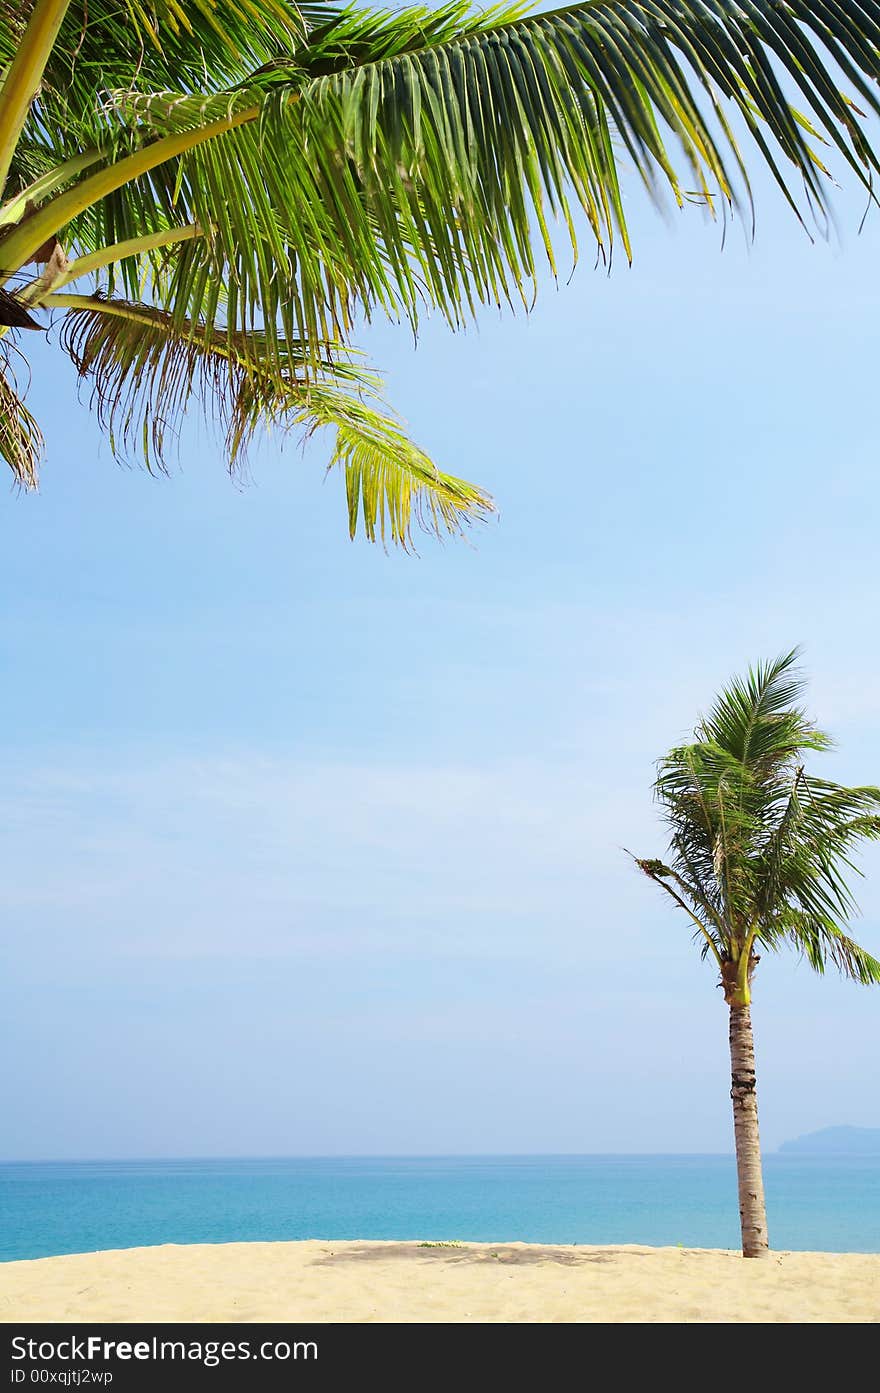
(311, 849)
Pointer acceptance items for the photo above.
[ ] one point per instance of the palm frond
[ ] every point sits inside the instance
(342, 163)
(146, 369)
(390, 483)
(691, 899)
(434, 147)
(812, 863)
(702, 789)
(757, 718)
(151, 44)
(822, 941)
(21, 440)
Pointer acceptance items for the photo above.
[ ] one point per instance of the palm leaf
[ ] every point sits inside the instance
(146, 369)
(821, 941)
(21, 440)
(437, 145)
(338, 163)
(105, 44)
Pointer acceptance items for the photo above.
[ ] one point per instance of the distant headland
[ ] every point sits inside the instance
(837, 1141)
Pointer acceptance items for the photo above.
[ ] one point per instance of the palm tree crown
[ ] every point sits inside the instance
(231, 186)
(759, 847)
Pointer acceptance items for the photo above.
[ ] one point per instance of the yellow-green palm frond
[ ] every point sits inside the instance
(146, 369)
(390, 483)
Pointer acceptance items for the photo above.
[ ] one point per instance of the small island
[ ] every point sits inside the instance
(836, 1141)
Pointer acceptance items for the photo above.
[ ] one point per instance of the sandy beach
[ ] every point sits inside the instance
(388, 1282)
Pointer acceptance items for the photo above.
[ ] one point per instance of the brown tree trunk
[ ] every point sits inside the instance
(752, 1212)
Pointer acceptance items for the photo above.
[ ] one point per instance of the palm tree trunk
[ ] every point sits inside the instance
(752, 1212)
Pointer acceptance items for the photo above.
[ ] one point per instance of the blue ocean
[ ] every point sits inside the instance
(814, 1203)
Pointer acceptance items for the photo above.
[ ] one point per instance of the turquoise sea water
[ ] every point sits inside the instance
(822, 1203)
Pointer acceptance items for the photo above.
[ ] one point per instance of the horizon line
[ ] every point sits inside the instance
(361, 1156)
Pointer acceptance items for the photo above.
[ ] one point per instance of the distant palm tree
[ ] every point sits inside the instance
(758, 856)
(216, 192)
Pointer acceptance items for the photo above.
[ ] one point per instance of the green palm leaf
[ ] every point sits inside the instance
(822, 941)
(445, 138)
(105, 44)
(146, 370)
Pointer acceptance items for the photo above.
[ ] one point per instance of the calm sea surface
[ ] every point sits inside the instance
(824, 1203)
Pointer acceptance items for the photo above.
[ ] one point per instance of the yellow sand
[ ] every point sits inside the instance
(327, 1281)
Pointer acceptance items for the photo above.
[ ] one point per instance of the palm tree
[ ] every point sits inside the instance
(758, 855)
(233, 185)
